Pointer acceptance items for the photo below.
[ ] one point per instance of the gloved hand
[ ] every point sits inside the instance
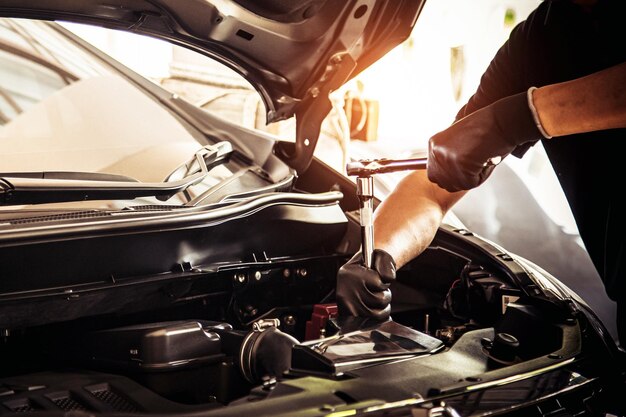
(459, 158)
(364, 292)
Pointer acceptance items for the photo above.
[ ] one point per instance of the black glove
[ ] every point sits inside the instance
(459, 158)
(364, 292)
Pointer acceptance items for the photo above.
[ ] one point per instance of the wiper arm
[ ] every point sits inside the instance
(33, 188)
(69, 175)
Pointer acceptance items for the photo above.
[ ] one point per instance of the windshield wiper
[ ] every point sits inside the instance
(68, 175)
(55, 187)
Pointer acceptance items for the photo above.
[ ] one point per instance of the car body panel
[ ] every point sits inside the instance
(293, 59)
(286, 59)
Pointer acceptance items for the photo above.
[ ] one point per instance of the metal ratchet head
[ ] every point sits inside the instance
(364, 170)
(369, 167)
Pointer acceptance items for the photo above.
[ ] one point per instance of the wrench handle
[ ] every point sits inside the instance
(365, 191)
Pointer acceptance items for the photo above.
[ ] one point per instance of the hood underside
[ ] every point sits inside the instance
(289, 50)
(293, 52)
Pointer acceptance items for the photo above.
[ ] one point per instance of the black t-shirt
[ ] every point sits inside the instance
(558, 42)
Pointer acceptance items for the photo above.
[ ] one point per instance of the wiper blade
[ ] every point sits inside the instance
(69, 175)
(56, 187)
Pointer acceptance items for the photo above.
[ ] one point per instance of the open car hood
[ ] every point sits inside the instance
(293, 52)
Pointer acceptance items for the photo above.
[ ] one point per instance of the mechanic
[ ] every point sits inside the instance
(560, 78)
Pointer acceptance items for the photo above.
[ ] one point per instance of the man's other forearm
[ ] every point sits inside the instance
(594, 102)
(406, 222)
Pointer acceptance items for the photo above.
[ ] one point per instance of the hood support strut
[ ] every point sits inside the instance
(312, 112)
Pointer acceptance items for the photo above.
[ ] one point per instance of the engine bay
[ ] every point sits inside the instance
(267, 332)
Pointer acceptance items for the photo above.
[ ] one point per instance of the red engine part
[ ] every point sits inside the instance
(315, 327)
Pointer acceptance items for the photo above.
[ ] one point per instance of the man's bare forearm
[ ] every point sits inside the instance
(593, 102)
(406, 222)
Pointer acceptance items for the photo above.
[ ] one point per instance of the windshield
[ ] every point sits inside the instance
(63, 109)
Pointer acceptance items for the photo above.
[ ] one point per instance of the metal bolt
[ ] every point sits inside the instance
(303, 272)
(286, 272)
(269, 383)
(241, 278)
(257, 275)
(336, 59)
(445, 334)
(289, 320)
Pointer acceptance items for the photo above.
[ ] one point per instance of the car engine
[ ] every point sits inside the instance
(258, 332)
